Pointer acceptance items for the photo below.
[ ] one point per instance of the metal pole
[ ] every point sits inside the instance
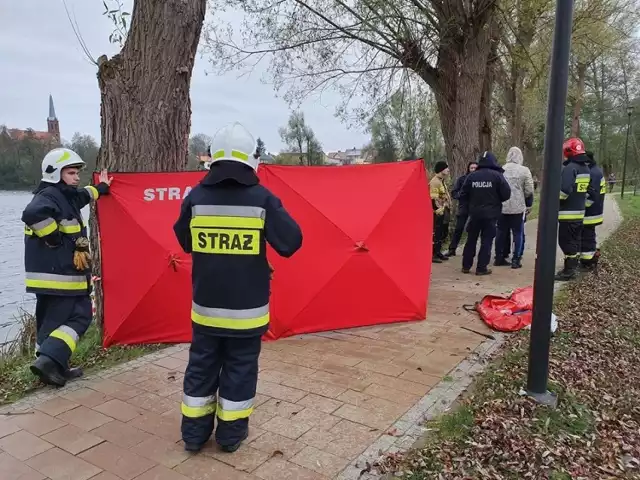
(626, 150)
(549, 206)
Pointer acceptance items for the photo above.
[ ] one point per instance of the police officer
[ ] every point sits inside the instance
(573, 195)
(594, 214)
(225, 223)
(57, 262)
(484, 191)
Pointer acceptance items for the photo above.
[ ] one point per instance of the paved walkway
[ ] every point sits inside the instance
(327, 402)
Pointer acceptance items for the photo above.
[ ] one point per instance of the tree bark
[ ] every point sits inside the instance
(485, 132)
(577, 106)
(461, 66)
(145, 105)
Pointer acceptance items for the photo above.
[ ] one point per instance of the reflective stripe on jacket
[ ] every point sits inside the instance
(53, 222)
(595, 196)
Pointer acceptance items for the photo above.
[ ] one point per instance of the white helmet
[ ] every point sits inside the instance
(234, 142)
(56, 160)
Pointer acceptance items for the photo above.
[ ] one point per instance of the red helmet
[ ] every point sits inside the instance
(573, 147)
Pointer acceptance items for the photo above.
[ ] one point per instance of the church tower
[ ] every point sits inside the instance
(53, 127)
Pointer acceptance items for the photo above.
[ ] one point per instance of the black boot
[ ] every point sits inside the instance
(516, 262)
(500, 262)
(452, 253)
(435, 259)
(442, 256)
(48, 371)
(570, 270)
(235, 446)
(73, 373)
(193, 447)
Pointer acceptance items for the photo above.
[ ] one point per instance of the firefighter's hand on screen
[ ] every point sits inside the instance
(105, 178)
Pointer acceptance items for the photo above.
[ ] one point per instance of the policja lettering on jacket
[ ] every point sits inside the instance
(225, 223)
(482, 184)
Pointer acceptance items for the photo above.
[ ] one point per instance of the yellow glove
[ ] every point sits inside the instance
(440, 211)
(81, 255)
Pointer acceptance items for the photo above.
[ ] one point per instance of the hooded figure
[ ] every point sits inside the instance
(484, 191)
(225, 223)
(462, 214)
(511, 220)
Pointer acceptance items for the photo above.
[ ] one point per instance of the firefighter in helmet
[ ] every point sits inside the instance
(573, 195)
(225, 223)
(594, 215)
(57, 262)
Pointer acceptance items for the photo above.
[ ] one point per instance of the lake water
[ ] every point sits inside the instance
(13, 297)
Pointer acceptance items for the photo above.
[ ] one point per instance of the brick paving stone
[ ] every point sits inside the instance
(162, 451)
(87, 397)
(84, 418)
(119, 410)
(201, 467)
(105, 476)
(254, 432)
(13, 469)
(122, 463)
(56, 406)
(132, 377)
(160, 472)
(280, 407)
(383, 368)
(172, 363)
(288, 428)
(280, 392)
(37, 422)
(245, 459)
(389, 393)
(23, 445)
(7, 426)
(313, 386)
(317, 418)
(260, 417)
(57, 464)
(319, 461)
(366, 417)
(153, 403)
(163, 426)
(399, 384)
(279, 469)
(72, 439)
(121, 434)
(323, 404)
(115, 389)
(275, 445)
(359, 382)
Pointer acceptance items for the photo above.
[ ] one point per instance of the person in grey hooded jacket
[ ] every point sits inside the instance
(513, 210)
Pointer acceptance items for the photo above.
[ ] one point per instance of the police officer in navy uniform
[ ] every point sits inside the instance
(593, 216)
(575, 181)
(225, 223)
(483, 191)
(57, 262)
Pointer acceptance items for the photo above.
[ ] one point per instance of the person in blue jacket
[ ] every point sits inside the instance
(58, 264)
(463, 214)
(483, 191)
(225, 223)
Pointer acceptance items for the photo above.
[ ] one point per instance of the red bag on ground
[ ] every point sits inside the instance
(507, 314)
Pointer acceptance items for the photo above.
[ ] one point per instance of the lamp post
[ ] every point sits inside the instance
(549, 205)
(626, 149)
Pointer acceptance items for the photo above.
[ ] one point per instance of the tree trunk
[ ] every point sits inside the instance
(577, 107)
(485, 132)
(145, 106)
(462, 65)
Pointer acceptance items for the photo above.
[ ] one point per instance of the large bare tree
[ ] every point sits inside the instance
(145, 105)
(370, 49)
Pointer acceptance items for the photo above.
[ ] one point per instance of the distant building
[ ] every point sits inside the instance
(351, 156)
(51, 136)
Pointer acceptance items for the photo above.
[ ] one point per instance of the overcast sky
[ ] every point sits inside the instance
(39, 54)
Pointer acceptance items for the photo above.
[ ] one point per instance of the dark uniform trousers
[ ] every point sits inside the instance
(570, 238)
(440, 231)
(61, 322)
(228, 366)
(485, 228)
(461, 223)
(589, 242)
(508, 224)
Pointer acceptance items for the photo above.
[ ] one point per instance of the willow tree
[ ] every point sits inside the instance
(145, 107)
(370, 49)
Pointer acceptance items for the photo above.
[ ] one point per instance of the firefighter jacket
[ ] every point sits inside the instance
(440, 198)
(595, 196)
(573, 190)
(224, 224)
(53, 222)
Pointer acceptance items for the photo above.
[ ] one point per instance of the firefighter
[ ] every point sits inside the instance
(484, 191)
(589, 252)
(57, 262)
(573, 193)
(225, 223)
(441, 203)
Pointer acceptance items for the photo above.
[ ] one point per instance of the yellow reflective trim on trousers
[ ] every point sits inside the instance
(197, 412)
(66, 338)
(231, 415)
(95, 194)
(226, 222)
(55, 285)
(230, 323)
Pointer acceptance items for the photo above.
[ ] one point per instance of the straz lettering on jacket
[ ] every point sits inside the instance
(481, 184)
(226, 229)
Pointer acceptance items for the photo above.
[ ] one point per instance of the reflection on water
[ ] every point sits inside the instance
(12, 294)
